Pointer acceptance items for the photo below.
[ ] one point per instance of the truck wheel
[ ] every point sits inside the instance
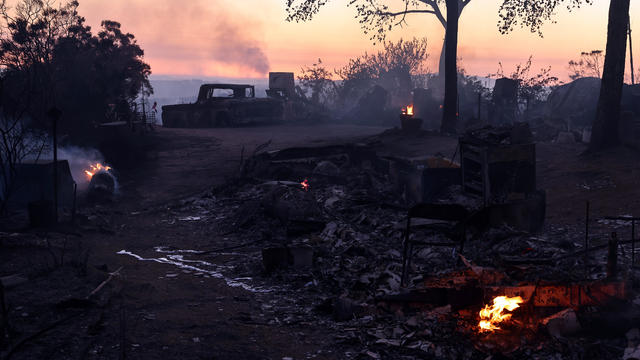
(222, 119)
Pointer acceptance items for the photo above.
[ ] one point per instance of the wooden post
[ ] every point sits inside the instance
(144, 116)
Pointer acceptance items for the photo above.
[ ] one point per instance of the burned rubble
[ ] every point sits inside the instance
(194, 191)
(323, 230)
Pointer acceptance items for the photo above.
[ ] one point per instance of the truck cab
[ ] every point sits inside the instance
(214, 92)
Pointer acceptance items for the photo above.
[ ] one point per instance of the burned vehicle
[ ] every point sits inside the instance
(221, 105)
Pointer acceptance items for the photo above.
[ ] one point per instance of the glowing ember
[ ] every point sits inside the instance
(95, 168)
(408, 110)
(305, 185)
(491, 316)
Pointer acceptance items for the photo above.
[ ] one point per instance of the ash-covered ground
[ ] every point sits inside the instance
(190, 228)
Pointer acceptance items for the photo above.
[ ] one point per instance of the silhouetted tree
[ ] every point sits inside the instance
(450, 108)
(532, 88)
(27, 44)
(391, 67)
(589, 65)
(606, 125)
(377, 18)
(316, 79)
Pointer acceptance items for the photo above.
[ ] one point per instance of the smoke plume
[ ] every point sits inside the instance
(80, 159)
(196, 35)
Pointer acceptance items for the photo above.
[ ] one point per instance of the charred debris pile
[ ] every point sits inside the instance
(400, 256)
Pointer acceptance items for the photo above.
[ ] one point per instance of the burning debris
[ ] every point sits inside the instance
(305, 185)
(333, 255)
(407, 110)
(491, 316)
(95, 168)
(408, 122)
(103, 184)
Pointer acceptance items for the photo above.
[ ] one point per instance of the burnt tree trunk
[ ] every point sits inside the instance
(449, 116)
(606, 126)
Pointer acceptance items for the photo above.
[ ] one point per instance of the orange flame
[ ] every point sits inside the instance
(305, 185)
(95, 168)
(490, 316)
(408, 110)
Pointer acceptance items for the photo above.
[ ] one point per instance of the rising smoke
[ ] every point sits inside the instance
(195, 33)
(80, 159)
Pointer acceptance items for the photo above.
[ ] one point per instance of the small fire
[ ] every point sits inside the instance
(305, 185)
(407, 110)
(95, 168)
(491, 316)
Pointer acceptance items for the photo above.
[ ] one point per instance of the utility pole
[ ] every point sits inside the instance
(633, 80)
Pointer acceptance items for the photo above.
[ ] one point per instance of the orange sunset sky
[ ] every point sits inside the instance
(247, 38)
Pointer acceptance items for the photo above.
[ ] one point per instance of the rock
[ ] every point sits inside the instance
(326, 168)
(562, 324)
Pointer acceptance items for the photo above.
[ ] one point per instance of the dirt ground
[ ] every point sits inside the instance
(156, 310)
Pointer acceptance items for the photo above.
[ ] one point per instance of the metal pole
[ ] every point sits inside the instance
(633, 81)
(54, 114)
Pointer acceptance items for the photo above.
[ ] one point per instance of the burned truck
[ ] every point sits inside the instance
(224, 105)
